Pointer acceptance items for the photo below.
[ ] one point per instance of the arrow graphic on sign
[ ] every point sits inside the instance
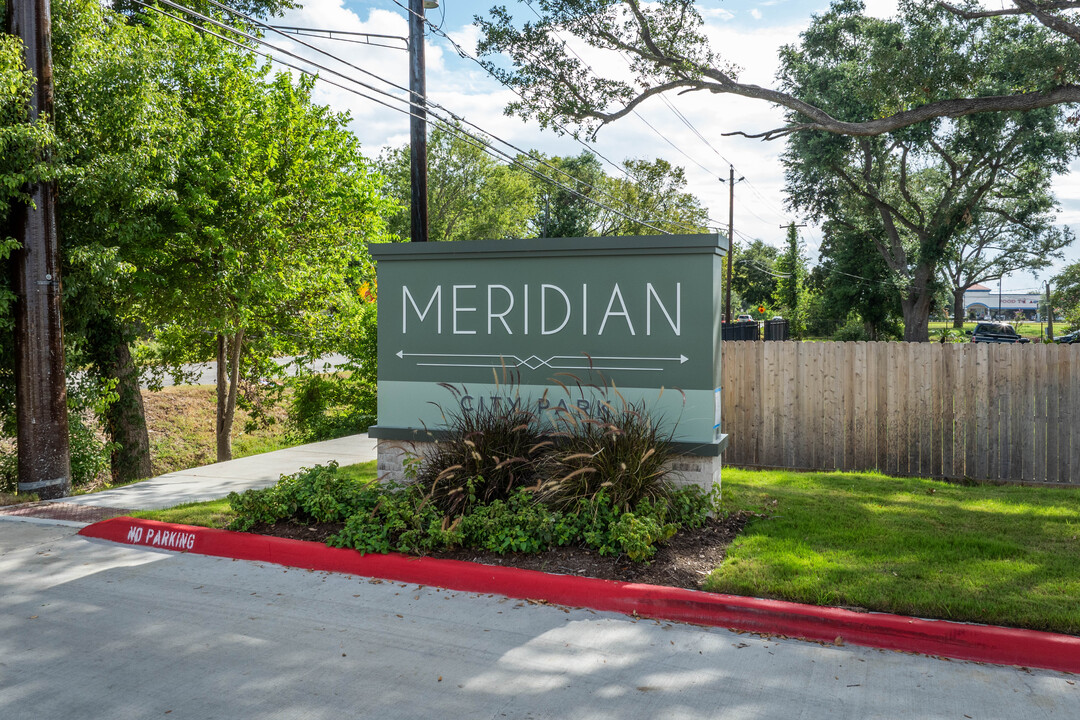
(533, 362)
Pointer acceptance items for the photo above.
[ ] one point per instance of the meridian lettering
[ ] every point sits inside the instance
(503, 314)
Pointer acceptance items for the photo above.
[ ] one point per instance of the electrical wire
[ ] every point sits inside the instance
(678, 114)
(448, 126)
(429, 104)
(467, 55)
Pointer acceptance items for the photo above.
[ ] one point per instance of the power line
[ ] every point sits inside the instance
(457, 117)
(448, 126)
(678, 114)
(465, 54)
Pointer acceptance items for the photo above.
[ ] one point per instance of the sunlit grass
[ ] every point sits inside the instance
(1002, 555)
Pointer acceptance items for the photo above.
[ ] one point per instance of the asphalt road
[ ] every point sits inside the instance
(206, 373)
(91, 629)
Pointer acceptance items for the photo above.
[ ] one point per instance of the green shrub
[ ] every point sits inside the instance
(403, 520)
(317, 494)
(343, 403)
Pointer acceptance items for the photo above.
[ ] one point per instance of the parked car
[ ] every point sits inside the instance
(995, 332)
(744, 318)
(1069, 337)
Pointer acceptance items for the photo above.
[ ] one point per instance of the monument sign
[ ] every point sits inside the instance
(552, 324)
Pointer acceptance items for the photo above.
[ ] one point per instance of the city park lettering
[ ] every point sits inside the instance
(497, 308)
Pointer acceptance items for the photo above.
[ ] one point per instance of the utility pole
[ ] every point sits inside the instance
(1049, 313)
(418, 123)
(731, 239)
(44, 459)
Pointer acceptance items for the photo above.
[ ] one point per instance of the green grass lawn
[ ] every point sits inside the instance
(1026, 328)
(1002, 555)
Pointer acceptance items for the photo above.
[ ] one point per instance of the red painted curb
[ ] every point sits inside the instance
(980, 643)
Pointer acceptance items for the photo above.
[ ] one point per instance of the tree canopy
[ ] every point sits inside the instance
(930, 186)
(202, 203)
(1018, 58)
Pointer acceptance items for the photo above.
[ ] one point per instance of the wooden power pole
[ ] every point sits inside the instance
(40, 393)
(418, 123)
(731, 239)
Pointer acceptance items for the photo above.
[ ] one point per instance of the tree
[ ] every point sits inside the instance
(470, 196)
(790, 295)
(754, 276)
(1067, 293)
(997, 245)
(653, 195)
(852, 278)
(1016, 59)
(567, 209)
(273, 204)
(927, 184)
(120, 131)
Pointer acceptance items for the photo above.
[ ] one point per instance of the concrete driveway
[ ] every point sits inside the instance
(91, 629)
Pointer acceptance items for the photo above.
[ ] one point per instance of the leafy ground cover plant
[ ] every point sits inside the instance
(504, 481)
(318, 494)
(386, 518)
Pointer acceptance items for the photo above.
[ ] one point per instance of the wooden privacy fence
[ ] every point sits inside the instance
(966, 410)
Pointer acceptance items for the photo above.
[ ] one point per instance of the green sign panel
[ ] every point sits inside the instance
(552, 324)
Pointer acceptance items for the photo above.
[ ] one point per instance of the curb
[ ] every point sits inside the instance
(961, 641)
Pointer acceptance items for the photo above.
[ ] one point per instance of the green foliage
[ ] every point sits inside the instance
(318, 494)
(565, 210)
(88, 398)
(1067, 293)
(403, 520)
(791, 296)
(855, 328)
(470, 196)
(652, 192)
(23, 144)
(753, 275)
(926, 193)
(331, 405)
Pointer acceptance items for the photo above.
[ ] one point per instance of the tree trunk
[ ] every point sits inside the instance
(125, 419)
(916, 307)
(228, 351)
(958, 309)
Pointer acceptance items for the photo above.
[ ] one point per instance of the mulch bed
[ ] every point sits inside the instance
(683, 561)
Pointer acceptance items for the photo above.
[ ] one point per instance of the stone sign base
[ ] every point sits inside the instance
(703, 471)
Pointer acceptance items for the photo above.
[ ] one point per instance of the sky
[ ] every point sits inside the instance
(748, 32)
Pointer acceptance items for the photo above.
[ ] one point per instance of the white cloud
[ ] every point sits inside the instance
(716, 14)
(465, 89)
(755, 13)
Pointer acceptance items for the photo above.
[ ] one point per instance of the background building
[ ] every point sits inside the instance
(980, 302)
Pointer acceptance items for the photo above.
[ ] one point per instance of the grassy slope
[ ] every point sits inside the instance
(1007, 555)
(181, 424)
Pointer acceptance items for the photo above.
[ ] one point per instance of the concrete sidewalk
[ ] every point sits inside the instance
(218, 480)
